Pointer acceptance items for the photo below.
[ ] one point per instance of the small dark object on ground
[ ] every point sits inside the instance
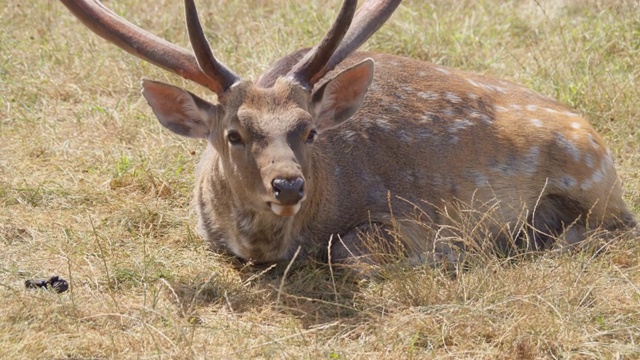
(54, 283)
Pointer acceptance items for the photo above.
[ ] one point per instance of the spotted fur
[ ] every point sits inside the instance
(303, 158)
(453, 137)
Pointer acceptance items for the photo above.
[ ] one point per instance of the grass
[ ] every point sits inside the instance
(94, 190)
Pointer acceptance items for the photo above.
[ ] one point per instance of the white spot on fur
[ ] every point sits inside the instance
(501, 90)
(473, 82)
(348, 135)
(427, 117)
(384, 124)
(586, 185)
(532, 107)
(492, 87)
(568, 146)
(482, 180)
(514, 164)
(592, 140)
(531, 161)
(479, 178)
(428, 95)
(536, 122)
(483, 117)
(501, 108)
(427, 135)
(452, 97)
(443, 70)
(550, 110)
(422, 73)
(374, 87)
(450, 112)
(588, 160)
(504, 168)
(460, 124)
(575, 125)
(567, 182)
(408, 89)
(571, 114)
(486, 118)
(515, 107)
(404, 136)
(597, 176)
(472, 96)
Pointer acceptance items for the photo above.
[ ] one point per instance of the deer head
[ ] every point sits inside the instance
(263, 133)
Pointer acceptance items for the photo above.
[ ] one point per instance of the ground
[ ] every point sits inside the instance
(93, 189)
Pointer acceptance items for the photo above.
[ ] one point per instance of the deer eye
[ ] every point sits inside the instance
(234, 137)
(311, 137)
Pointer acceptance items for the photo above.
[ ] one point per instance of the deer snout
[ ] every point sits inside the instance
(288, 191)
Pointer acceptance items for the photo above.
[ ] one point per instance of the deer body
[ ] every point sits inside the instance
(427, 136)
(303, 159)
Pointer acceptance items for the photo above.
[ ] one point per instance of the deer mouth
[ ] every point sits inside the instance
(285, 210)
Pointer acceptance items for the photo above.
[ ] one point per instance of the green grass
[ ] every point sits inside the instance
(93, 189)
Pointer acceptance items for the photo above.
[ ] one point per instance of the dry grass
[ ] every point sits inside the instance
(92, 189)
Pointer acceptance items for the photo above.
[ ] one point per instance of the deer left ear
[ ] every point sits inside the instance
(340, 98)
(179, 110)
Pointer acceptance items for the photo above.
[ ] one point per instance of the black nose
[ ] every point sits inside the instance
(288, 191)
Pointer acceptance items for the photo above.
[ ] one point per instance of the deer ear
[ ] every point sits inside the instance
(179, 110)
(340, 98)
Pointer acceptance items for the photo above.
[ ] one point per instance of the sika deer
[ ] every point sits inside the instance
(301, 158)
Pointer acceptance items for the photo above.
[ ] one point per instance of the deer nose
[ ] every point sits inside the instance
(288, 191)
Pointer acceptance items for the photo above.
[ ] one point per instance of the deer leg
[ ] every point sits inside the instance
(368, 244)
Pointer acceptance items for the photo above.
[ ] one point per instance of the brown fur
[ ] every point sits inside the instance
(427, 151)
(426, 136)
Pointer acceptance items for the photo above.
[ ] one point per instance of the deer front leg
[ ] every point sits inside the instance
(364, 246)
(375, 244)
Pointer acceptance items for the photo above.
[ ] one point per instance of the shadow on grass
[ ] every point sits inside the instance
(312, 292)
(317, 294)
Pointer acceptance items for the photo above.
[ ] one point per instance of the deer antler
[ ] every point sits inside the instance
(153, 49)
(306, 71)
(330, 52)
(208, 63)
(369, 18)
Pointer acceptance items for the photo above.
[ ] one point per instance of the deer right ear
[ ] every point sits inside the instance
(179, 110)
(340, 98)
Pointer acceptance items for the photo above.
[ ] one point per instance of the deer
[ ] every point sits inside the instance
(322, 155)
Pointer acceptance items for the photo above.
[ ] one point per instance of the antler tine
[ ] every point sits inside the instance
(207, 61)
(369, 18)
(140, 43)
(309, 69)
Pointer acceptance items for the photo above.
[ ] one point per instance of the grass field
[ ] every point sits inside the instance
(93, 189)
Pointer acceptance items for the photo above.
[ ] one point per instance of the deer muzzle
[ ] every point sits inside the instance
(289, 193)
